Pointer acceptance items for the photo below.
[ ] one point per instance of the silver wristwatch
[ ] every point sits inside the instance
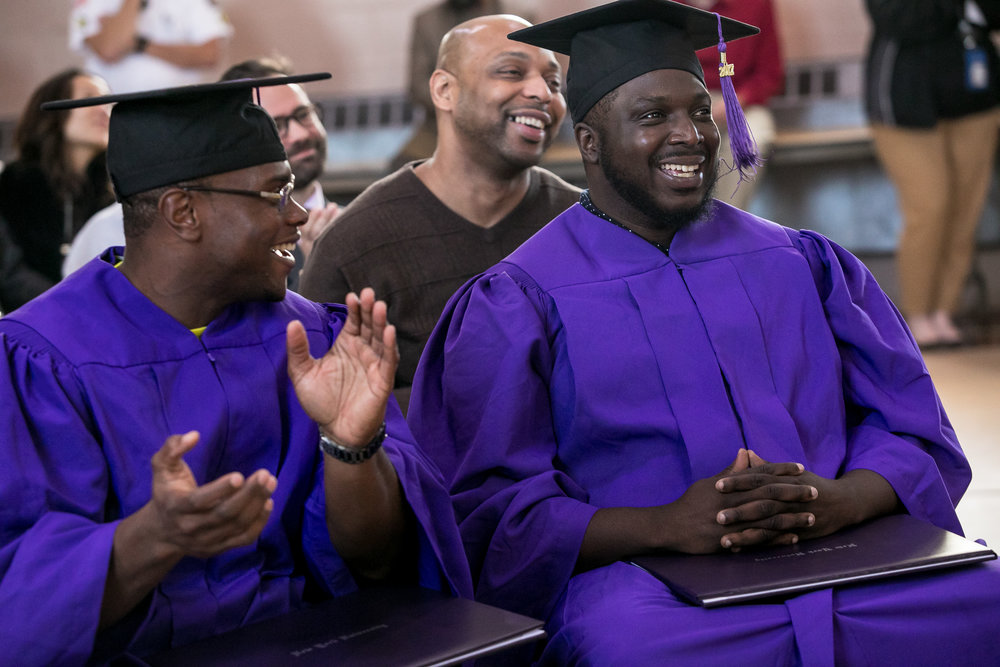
(352, 454)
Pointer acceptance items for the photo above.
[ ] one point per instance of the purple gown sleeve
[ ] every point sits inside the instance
(896, 423)
(481, 410)
(441, 563)
(54, 542)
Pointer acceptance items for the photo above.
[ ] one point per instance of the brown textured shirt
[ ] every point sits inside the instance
(401, 240)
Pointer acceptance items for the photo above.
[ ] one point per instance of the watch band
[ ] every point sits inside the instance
(140, 44)
(352, 454)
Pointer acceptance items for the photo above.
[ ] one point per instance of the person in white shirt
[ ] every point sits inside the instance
(103, 230)
(144, 44)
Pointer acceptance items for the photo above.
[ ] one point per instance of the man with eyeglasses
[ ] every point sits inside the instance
(419, 233)
(177, 463)
(300, 127)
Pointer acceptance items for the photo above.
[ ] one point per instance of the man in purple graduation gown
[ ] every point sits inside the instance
(657, 371)
(161, 412)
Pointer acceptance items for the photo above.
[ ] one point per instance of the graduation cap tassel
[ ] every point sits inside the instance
(745, 156)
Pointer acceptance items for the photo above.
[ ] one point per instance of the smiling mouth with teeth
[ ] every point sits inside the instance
(529, 121)
(284, 251)
(681, 170)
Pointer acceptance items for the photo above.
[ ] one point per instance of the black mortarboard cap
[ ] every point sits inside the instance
(614, 43)
(170, 135)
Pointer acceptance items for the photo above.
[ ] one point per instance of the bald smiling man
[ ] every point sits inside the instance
(418, 234)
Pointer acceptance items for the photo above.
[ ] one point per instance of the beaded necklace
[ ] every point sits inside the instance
(589, 205)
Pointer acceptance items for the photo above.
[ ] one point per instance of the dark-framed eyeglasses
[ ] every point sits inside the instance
(308, 116)
(280, 197)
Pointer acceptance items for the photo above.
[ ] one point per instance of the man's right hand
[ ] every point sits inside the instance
(181, 519)
(204, 521)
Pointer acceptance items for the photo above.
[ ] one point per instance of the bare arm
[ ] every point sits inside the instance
(188, 55)
(116, 38)
(181, 519)
(346, 392)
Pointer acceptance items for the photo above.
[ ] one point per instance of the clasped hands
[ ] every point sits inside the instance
(754, 503)
(345, 391)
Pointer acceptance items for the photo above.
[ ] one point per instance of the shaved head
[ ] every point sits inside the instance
(457, 42)
(495, 98)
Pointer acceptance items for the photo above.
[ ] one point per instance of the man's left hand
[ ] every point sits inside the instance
(346, 390)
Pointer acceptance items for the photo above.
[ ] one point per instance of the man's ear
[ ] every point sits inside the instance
(444, 89)
(588, 142)
(177, 209)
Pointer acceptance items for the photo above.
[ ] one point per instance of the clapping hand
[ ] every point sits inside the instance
(204, 521)
(346, 390)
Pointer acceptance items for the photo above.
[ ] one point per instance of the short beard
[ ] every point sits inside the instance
(305, 173)
(492, 140)
(640, 200)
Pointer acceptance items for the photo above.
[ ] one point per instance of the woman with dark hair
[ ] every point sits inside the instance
(59, 178)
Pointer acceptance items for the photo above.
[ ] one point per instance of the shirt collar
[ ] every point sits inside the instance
(315, 199)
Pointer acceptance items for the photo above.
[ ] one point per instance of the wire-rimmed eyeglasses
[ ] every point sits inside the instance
(280, 197)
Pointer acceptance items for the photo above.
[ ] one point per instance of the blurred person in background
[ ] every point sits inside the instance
(144, 44)
(18, 282)
(761, 76)
(932, 95)
(59, 178)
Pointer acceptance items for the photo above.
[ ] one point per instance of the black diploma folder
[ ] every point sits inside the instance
(884, 547)
(379, 626)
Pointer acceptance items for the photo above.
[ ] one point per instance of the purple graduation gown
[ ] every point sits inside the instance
(93, 379)
(591, 370)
